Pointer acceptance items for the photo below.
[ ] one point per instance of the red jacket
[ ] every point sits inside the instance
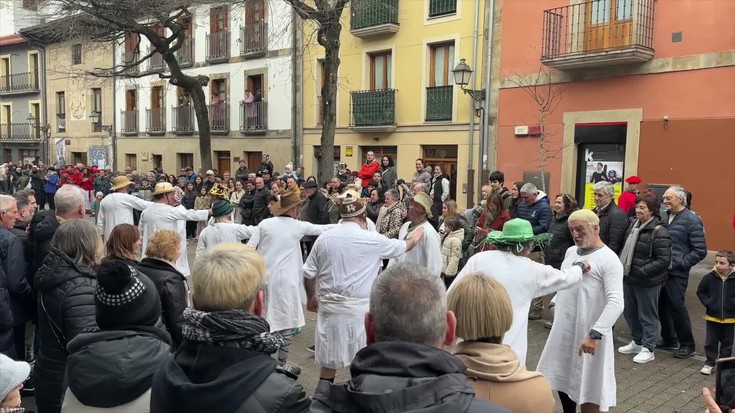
(626, 201)
(496, 225)
(367, 172)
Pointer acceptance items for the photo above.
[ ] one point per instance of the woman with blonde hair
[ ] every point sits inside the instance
(124, 244)
(484, 314)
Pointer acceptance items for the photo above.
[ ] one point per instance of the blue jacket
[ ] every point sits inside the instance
(688, 245)
(538, 214)
(52, 182)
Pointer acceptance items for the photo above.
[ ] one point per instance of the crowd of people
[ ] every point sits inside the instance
(111, 315)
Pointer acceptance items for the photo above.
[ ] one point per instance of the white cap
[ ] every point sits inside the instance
(210, 172)
(12, 374)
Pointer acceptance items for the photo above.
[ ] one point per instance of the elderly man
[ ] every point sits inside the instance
(688, 247)
(117, 207)
(404, 367)
(261, 197)
(26, 202)
(345, 262)
(514, 244)
(626, 200)
(613, 221)
(578, 360)
(317, 210)
(428, 251)
(224, 363)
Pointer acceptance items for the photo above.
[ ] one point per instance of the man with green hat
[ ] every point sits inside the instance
(522, 277)
(221, 229)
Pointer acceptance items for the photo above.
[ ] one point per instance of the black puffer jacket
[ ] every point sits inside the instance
(42, 228)
(171, 285)
(7, 345)
(246, 208)
(688, 245)
(651, 258)
(261, 197)
(716, 294)
(12, 257)
(66, 291)
(613, 224)
(560, 242)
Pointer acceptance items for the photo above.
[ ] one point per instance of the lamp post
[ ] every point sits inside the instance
(97, 126)
(44, 139)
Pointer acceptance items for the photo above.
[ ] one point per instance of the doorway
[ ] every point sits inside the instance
(157, 161)
(252, 160)
(79, 157)
(609, 24)
(446, 157)
(224, 163)
(600, 157)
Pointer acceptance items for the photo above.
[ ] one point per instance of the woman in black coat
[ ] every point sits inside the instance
(564, 205)
(65, 284)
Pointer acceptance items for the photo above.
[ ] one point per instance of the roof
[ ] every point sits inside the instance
(12, 39)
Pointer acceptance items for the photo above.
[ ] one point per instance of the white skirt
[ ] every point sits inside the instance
(340, 330)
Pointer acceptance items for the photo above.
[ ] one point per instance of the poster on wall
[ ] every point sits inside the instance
(98, 156)
(599, 171)
(60, 152)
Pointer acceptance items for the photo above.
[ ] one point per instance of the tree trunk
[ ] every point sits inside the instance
(205, 138)
(328, 37)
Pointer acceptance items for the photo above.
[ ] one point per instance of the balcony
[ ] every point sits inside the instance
(373, 111)
(18, 83)
(218, 47)
(155, 121)
(184, 119)
(598, 34)
(18, 132)
(441, 8)
(128, 60)
(129, 122)
(254, 40)
(219, 118)
(374, 17)
(155, 62)
(439, 100)
(185, 55)
(254, 118)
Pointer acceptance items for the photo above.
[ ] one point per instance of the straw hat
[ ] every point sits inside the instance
(120, 182)
(163, 188)
(516, 231)
(425, 201)
(286, 201)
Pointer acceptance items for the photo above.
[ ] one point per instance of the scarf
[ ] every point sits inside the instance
(231, 328)
(626, 255)
(493, 362)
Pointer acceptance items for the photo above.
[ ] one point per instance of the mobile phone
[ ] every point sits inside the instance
(725, 382)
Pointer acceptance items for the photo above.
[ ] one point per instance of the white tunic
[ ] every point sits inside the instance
(426, 253)
(524, 280)
(278, 241)
(594, 303)
(117, 208)
(346, 261)
(222, 232)
(161, 216)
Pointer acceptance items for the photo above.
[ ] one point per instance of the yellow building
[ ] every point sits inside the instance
(396, 90)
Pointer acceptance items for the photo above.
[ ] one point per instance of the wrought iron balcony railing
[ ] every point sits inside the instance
(442, 7)
(19, 132)
(218, 47)
(155, 121)
(184, 119)
(155, 62)
(19, 83)
(439, 100)
(254, 117)
(129, 122)
(254, 39)
(185, 54)
(219, 118)
(373, 17)
(373, 108)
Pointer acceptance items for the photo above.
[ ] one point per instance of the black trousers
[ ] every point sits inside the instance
(191, 229)
(718, 341)
(673, 314)
(19, 339)
(567, 404)
(50, 199)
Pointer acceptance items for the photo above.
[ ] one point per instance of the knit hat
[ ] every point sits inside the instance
(99, 193)
(425, 201)
(125, 297)
(351, 205)
(221, 208)
(12, 374)
(584, 215)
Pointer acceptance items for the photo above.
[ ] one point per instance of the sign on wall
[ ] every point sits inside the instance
(600, 171)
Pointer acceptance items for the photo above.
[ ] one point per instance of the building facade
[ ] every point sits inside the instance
(244, 50)
(639, 90)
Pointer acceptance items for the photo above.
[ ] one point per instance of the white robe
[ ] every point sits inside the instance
(345, 261)
(426, 253)
(524, 280)
(161, 216)
(222, 232)
(117, 208)
(278, 241)
(594, 303)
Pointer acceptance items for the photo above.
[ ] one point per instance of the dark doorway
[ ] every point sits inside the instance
(600, 157)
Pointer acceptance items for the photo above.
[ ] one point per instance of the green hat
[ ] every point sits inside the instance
(221, 208)
(516, 231)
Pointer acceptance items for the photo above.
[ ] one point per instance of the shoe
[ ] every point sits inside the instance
(707, 370)
(630, 348)
(29, 388)
(312, 348)
(684, 352)
(290, 368)
(666, 345)
(548, 325)
(644, 356)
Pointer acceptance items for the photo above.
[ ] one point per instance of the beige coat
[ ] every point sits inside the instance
(452, 252)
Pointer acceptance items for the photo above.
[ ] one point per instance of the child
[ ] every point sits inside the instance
(451, 249)
(96, 205)
(202, 201)
(717, 293)
(12, 376)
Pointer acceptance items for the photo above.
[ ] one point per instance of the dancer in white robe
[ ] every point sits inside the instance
(428, 251)
(117, 207)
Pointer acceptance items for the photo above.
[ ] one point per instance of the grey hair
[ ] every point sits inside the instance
(408, 303)
(680, 193)
(420, 186)
(605, 186)
(68, 199)
(529, 188)
(23, 198)
(78, 239)
(393, 193)
(7, 203)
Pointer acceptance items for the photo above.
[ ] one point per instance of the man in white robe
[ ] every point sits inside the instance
(222, 229)
(117, 207)
(428, 251)
(162, 215)
(578, 360)
(344, 262)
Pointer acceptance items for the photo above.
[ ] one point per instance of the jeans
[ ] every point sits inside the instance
(718, 335)
(672, 310)
(641, 314)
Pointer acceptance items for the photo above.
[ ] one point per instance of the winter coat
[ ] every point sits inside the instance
(207, 378)
(626, 201)
(506, 197)
(261, 197)
(688, 245)
(102, 184)
(318, 209)
(373, 210)
(538, 214)
(367, 172)
(52, 183)
(112, 370)
(391, 222)
(37, 183)
(171, 286)
(452, 252)
(66, 291)
(389, 177)
(13, 260)
(241, 174)
(560, 242)
(651, 257)
(613, 224)
(246, 208)
(485, 227)
(717, 296)
(188, 200)
(7, 345)
(40, 231)
(392, 377)
(423, 177)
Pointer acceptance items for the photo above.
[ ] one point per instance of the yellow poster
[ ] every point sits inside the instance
(589, 194)
(600, 171)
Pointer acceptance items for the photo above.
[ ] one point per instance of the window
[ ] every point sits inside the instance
(442, 61)
(218, 19)
(60, 112)
(442, 7)
(131, 161)
(76, 54)
(97, 107)
(131, 99)
(184, 160)
(218, 87)
(380, 70)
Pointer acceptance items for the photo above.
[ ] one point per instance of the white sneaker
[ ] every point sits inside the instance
(644, 356)
(707, 370)
(630, 348)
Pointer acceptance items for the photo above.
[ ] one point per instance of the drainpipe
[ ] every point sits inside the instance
(470, 152)
(113, 133)
(45, 144)
(490, 24)
(297, 124)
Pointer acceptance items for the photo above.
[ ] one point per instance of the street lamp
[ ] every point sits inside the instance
(95, 117)
(462, 74)
(34, 124)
